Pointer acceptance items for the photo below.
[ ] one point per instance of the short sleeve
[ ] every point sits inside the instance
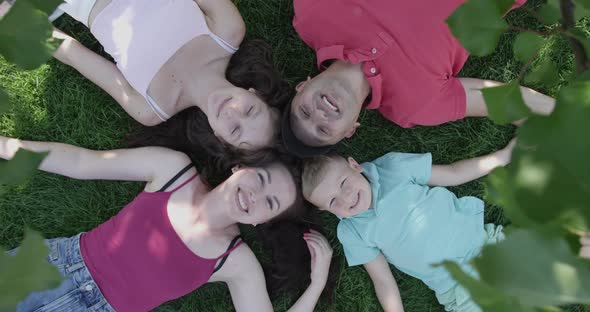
(356, 251)
(415, 167)
(446, 105)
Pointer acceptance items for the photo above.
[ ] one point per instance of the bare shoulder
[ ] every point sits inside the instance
(241, 264)
(169, 163)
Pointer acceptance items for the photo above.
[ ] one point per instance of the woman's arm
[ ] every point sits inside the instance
(245, 278)
(224, 19)
(385, 285)
(138, 164)
(104, 74)
(470, 169)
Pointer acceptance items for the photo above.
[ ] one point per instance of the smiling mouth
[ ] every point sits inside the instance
(241, 200)
(222, 105)
(330, 103)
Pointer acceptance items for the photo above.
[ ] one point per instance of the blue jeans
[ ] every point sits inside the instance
(78, 291)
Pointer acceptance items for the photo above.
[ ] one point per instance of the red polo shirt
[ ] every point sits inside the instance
(409, 55)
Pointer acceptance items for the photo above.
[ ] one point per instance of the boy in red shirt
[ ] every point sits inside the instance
(398, 57)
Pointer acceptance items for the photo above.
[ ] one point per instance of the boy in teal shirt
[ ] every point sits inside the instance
(389, 213)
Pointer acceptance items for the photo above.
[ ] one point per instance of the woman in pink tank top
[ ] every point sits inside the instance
(173, 55)
(175, 236)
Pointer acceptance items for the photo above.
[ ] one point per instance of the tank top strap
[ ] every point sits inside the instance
(176, 177)
(232, 246)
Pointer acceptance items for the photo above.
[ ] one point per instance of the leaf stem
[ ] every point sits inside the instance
(568, 22)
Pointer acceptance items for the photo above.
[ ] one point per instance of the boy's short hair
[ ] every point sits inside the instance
(314, 170)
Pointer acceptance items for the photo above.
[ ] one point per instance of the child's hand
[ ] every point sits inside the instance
(585, 250)
(505, 154)
(321, 255)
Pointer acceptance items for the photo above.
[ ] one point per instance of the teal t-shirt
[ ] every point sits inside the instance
(412, 224)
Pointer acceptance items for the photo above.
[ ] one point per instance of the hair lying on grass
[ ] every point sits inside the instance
(315, 169)
(189, 131)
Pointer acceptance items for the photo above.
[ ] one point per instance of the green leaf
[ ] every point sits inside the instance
(505, 103)
(581, 9)
(499, 191)
(544, 73)
(550, 179)
(539, 269)
(26, 272)
(478, 24)
(4, 102)
(20, 167)
(550, 12)
(583, 39)
(527, 45)
(47, 6)
(25, 36)
(488, 298)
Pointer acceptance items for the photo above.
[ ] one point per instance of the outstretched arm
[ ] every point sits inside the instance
(105, 75)
(138, 164)
(385, 285)
(476, 107)
(470, 169)
(224, 19)
(246, 283)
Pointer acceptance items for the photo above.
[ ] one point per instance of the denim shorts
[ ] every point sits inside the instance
(78, 291)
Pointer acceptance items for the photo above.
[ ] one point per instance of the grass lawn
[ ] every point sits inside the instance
(55, 103)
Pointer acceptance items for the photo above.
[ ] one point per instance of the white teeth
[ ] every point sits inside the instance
(242, 201)
(330, 105)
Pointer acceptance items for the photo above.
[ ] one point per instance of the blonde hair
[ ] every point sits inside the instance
(314, 171)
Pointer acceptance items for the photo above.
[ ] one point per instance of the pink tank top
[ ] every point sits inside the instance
(142, 36)
(137, 259)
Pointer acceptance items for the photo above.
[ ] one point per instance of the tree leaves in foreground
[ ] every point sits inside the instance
(20, 167)
(505, 103)
(25, 33)
(546, 189)
(478, 24)
(529, 269)
(26, 272)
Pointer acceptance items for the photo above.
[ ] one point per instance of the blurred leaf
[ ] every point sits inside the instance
(527, 45)
(545, 73)
(25, 36)
(20, 167)
(551, 179)
(505, 103)
(581, 9)
(550, 12)
(488, 298)
(4, 102)
(500, 191)
(539, 269)
(26, 272)
(47, 6)
(478, 24)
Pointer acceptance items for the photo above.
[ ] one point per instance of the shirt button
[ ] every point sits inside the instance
(373, 70)
(88, 287)
(374, 51)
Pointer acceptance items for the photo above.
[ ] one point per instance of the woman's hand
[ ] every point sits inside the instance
(321, 255)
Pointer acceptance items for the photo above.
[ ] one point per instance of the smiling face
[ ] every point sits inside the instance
(325, 110)
(342, 189)
(240, 118)
(256, 195)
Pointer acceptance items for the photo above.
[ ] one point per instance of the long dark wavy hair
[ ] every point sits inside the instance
(189, 131)
(288, 270)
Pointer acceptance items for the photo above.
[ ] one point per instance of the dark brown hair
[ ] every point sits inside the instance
(189, 131)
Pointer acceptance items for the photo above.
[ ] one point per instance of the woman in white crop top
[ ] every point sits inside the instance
(171, 55)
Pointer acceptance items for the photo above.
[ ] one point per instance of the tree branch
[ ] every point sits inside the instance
(567, 14)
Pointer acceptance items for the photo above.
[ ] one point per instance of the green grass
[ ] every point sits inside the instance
(55, 103)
